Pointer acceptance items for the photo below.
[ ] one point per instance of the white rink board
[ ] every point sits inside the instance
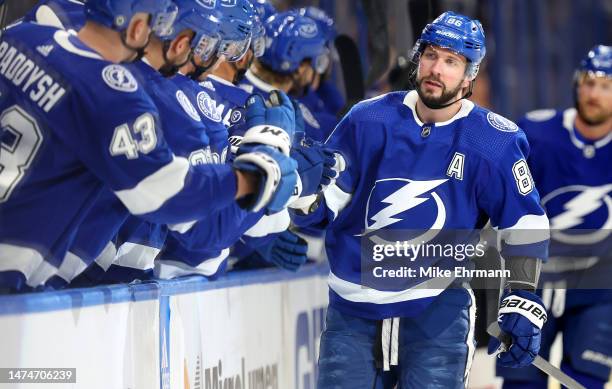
(263, 335)
(260, 328)
(111, 345)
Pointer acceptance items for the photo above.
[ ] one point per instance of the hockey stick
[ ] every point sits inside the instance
(538, 362)
(493, 261)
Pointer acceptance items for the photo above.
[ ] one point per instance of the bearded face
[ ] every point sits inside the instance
(594, 99)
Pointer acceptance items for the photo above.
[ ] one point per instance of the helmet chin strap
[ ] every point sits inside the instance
(140, 51)
(199, 69)
(169, 69)
(441, 106)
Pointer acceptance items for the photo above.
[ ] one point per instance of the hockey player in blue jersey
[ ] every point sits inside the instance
(571, 155)
(295, 51)
(79, 84)
(322, 95)
(431, 160)
(194, 33)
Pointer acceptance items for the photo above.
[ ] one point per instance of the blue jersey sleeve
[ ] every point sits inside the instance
(507, 194)
(122, 142)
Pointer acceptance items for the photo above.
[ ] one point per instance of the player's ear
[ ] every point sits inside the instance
(138, 30)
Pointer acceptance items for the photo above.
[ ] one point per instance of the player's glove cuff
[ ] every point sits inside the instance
(277, 178)
(267, 135)
(526, 304)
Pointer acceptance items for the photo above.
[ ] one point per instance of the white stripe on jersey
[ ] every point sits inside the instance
(270, 224)
(106, 258)
(166, 269)
(358, 294)
(27, 261)
(136, 256)
(336, 199)
(528, 229)
(71, 267)
(153, 191)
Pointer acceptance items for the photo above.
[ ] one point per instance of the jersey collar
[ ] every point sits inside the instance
(258, 82)
(220, 80)
(569, 119)
(72, 44)
(412, 97)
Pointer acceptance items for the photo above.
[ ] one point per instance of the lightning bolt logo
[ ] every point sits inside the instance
(586, 202)
(403, 199)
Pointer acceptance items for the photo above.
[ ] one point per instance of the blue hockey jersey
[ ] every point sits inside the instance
(403, 174)
(64, 14)
(318, 125)
(75, 123)
(574, 178)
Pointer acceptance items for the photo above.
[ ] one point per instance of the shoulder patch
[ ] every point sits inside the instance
(501, 123)
(541, 115)
(119, 78)
(208, 107)
(309, 117)
(183, 100)
(235, 116)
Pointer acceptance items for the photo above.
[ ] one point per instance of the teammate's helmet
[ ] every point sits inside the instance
(458, 33)
(258, 39)
(237, 23)
(203, 21)
(292, 38)
(325, 23)
(117, 14)
(598, 62)
(264, 9)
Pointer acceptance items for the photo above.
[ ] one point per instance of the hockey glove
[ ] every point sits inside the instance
(270, 123)
(521, 315)
(287, 251)
(277, 178)
(316, 170)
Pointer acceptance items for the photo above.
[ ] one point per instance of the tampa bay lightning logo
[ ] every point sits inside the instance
(208, 107)
(119, 78)
(501, 123)
(189, 109)
(406, 204)
(235, 116)
(308, 30)
(577, 207)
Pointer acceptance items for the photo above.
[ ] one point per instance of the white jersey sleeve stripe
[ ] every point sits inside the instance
(167, 269)
(336, 199)
(270, 224)
(153, 191)
(71, 267)
(527, 230)
(136, 256)
(18, 258)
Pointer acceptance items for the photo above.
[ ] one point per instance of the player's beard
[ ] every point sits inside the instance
(445, 97)
(593, 117)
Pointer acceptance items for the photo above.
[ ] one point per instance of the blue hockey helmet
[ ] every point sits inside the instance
(292, 38)
(458, 33)
(237, 22)
(264, 9)
(203, 19)
(117, 14)
(325, 23)
(598, 62)
(258, 39)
